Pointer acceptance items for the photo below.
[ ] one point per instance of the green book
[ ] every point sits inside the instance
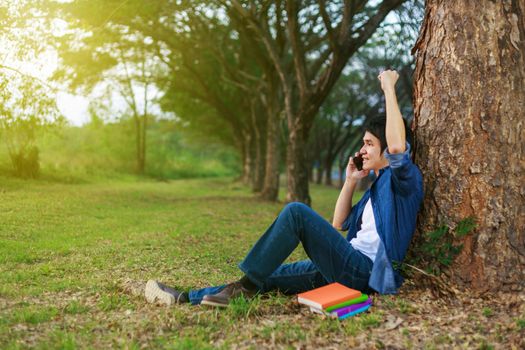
(357, 300)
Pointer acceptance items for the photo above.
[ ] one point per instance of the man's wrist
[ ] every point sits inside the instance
(351, 180)
(389, 91)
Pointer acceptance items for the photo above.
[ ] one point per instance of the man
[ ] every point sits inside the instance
(380, 227)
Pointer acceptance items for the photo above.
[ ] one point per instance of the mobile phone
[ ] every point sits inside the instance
(358, 161)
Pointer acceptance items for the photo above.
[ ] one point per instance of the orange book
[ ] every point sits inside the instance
(327, 296)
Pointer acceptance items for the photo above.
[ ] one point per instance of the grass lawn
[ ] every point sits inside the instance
(73, 259)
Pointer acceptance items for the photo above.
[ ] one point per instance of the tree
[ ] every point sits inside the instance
(113, 57)
(210, 62)
(320, 37)
(357, 96)
(215, 61)
(469, 113)
(26, 107)
(338, 123)
(27, 104)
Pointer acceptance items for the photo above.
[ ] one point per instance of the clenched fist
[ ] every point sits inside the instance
(388, 79)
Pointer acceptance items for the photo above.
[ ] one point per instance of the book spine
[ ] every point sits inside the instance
(321, 312)
(351, 308)
(358, 300)
(308, 303)
(350, 314)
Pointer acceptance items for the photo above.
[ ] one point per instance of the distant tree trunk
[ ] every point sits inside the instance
(341, 176)
(328, 164)
(259, 140)
(259, 164)
(314, 151)
(270, 189)
(318, 165)
(248, 162)
(469, 119)
(138, 140)
(143, 122)
(319, 175)
(297, 163)
(142, 156)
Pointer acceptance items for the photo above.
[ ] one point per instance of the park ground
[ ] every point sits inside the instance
(74, 258)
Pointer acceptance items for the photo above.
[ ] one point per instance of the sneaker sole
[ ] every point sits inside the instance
(212, 303)
(154, 294)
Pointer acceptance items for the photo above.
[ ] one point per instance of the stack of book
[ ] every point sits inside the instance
(335, 300)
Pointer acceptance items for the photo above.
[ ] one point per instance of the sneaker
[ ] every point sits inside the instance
(231, 291)
(161, 293)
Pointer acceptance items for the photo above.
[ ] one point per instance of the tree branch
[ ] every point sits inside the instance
(327, 23)
(297, 50)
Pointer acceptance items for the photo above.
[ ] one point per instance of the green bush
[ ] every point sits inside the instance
(98, 150)
(26, 163)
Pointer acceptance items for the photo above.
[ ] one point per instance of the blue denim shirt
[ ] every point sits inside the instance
(396, 195)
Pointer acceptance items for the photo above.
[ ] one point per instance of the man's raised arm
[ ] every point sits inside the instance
(395, 127)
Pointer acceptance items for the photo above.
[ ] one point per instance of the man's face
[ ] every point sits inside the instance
(371, 151)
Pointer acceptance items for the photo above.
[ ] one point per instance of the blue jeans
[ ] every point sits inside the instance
(332, 257)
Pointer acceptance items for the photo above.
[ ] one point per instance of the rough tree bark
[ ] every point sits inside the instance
(469, 119)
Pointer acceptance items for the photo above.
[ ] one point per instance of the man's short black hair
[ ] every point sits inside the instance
(377, 125)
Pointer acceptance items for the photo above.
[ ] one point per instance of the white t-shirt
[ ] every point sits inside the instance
(367, 239)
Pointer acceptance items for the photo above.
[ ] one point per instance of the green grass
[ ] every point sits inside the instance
(69, 250)
(487, 311)
(66, 248)
(520, 322)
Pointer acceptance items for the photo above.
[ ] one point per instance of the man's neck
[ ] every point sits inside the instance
(384, 165)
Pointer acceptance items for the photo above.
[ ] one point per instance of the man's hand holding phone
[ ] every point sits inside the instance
(354, 170)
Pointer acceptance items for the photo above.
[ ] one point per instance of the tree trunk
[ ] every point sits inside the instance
(341, 176)
(297, 163)
(328, 164)
(318, 173)
(247, 164)
(270, 189)
(259, 141)
(142, 164)
(138, 141)
(259, 164)
(469, 112)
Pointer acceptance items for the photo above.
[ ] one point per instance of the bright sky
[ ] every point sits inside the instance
(73, 107)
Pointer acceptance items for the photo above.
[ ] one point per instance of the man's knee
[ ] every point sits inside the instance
(296, 208)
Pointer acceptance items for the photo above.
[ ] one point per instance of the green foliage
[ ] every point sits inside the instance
(26, 162)
(520, 322)
(438, 248)
(26, 108)
(98, 150)
(485, 346)
(465, 226)
(487, 312)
